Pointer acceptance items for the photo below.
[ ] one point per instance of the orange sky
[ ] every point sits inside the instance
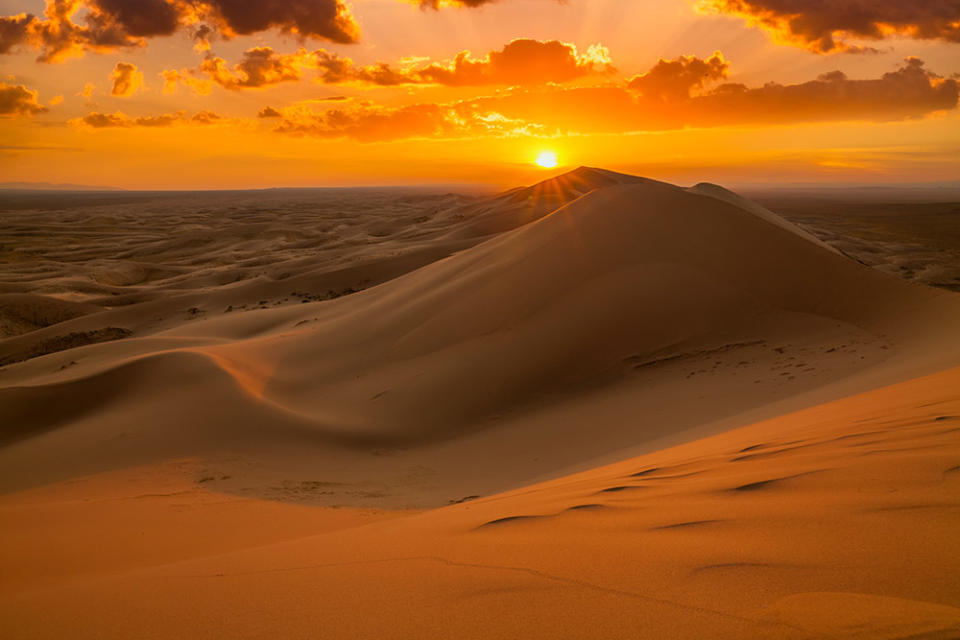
(260, 93)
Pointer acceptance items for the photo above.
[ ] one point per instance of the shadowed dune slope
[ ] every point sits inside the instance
(629, 272)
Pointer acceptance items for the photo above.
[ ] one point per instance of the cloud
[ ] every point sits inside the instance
(322, 19)
(137, 18)
(521, 62)
(119, 119)
(269, 112)
(259, 67)
(126, 79)
(17, 100)
(909, 92)
(14, 30)
(206, 117)
(370, 123)
(58, 37)
(171, 79)
(367, 122)
(912, 91)
(674, 79)
(825, 26)
(263, 67)
(201, 38)
(70, 28)
(335, 69)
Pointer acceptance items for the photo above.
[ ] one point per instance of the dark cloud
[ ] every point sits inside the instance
(324, 19)
(106, 25)
(138, 18)
(14, 30)
(826, 25)
(17, 100)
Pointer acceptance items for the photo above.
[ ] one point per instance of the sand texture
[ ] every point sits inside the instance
(599, 407)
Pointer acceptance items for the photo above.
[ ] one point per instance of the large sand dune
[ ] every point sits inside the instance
(405, 361)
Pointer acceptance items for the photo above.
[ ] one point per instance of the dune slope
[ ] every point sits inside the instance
(834, 522)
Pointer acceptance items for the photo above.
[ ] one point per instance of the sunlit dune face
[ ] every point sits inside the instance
(547, 160)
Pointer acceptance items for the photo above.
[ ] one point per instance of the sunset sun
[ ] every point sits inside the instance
(547, 160)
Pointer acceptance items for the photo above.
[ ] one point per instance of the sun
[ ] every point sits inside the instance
(547, 160)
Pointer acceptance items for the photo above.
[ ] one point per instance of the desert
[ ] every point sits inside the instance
(601, 390)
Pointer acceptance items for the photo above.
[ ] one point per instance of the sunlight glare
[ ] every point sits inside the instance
(547, 160)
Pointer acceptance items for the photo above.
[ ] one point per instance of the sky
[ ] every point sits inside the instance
(223, 94)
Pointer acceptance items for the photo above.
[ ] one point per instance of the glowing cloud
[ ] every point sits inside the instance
(910, 92)
(520, 62)
(126, 80)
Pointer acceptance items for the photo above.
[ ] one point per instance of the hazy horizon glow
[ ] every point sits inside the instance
(166, 94)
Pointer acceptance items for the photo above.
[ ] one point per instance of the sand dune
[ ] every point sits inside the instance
(636, 294)
(403, 359)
